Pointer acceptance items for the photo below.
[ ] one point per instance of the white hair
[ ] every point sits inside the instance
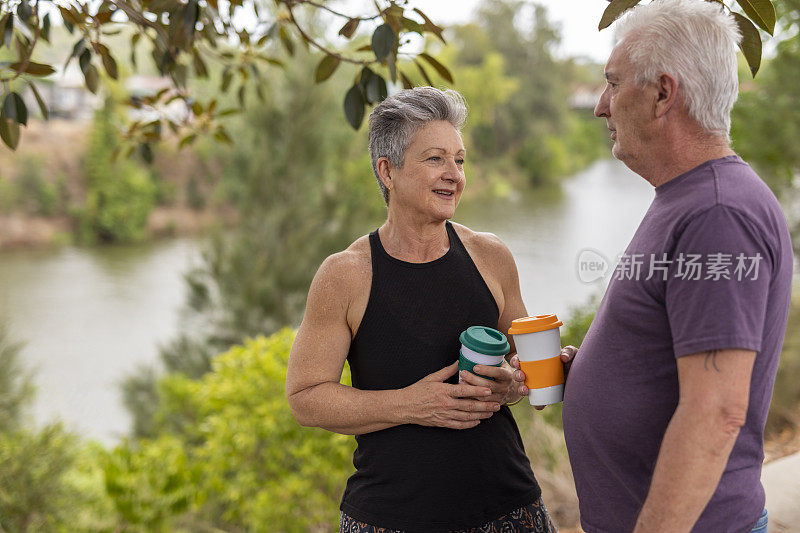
(694, 41)
(395, 120)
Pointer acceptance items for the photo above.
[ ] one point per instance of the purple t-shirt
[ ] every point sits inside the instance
(709, 267)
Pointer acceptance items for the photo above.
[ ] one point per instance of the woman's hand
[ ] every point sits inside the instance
(431, 402)
(568, 353)
(506, 385)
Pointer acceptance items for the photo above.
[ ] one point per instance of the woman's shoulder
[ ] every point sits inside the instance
(350, 263)
(482, 241)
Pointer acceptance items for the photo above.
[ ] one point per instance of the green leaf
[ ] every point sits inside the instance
(222, 135)
(326, 68)
(391, 64)
(190, 14)
(189, 139)
(24, 10)
(92, 78)
(46, 28)
(412, 25)
(109, 63)
(751, 42)
(430, 26)
(146, 152)
(376, 89)
(363, 79)
(8, 32)
(383, 41)
(34, 69)
(9, 131)
(406, 82)
(85, 60)
(441, 69)
(199, 65)
(286, 40)
(354, 107)
(349, 28)
(241, 97)
(227, 76)
(422, 71)
(40, 101)
(14, 108)
(614, 10)
(762, 12)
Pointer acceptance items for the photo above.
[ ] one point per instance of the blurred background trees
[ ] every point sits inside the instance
(213, 445)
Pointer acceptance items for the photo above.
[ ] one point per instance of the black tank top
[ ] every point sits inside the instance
(418, 478)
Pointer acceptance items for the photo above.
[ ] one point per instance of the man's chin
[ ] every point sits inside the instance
(615, 151)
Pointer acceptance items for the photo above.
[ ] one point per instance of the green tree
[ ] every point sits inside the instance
(48, 480)
(303, 187)
(766, 119)
(183, 37)
(120, 195)
(518, 95)
(16, 385)
(239, 461)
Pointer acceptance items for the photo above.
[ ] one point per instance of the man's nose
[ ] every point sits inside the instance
(601, 109)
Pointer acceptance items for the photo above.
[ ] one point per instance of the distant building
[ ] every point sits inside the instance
(585, 96)
(66, 96)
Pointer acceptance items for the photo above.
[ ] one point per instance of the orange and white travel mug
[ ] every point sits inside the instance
(538, 342)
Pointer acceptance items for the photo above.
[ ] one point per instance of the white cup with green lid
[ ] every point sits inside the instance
(481, 345)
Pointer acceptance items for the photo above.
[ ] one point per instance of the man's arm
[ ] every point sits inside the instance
(712, 407)
(317, 358)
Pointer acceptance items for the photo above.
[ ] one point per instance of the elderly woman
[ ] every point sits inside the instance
(433, 454)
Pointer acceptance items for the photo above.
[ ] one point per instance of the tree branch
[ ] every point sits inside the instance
(315, 44)
(326, 8)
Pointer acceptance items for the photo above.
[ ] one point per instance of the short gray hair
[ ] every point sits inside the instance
(394, 122)
(694, 41)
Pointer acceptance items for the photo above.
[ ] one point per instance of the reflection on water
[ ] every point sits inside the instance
(90, 316)
(599, 208)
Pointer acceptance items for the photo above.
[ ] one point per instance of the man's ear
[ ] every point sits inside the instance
(385, 171)
(667, 97)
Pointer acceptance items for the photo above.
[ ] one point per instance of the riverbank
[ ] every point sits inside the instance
(43, 188)
(22, 231)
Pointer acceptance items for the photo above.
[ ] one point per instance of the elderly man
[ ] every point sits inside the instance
(666, 402)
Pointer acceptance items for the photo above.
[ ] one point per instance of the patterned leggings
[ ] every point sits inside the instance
(532, 518)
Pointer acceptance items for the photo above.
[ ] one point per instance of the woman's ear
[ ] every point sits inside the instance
(667, 94)
(385, 171)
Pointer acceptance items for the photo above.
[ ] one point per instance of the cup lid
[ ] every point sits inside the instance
(533, 324)
(485, 340)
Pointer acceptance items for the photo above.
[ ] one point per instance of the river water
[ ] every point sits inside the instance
(89, 317)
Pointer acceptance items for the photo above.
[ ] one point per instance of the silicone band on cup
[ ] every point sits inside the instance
(543, 373)
(481, 359)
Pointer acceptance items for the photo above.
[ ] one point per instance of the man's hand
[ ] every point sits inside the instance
(505, 385)
(568, 353)
(431, 402)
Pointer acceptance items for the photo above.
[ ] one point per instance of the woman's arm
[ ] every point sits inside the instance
(498, 263)
(317, 358)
